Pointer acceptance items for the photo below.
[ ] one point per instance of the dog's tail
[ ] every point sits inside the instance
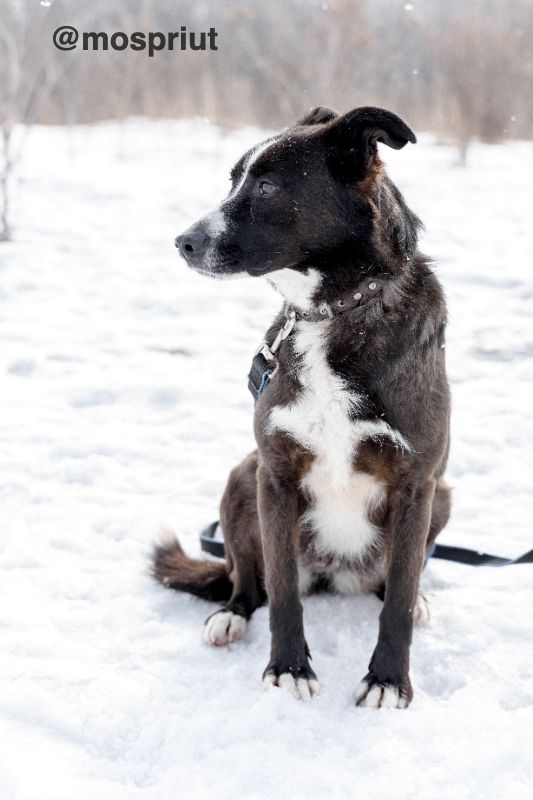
(206, 579)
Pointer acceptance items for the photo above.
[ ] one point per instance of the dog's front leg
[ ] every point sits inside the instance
(388, 683)
(289, 657)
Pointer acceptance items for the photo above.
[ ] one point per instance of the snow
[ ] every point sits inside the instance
(124, 406)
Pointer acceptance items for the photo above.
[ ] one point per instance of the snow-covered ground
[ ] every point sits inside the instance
(124, 404)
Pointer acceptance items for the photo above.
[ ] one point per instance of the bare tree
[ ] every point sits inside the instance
(481, 72)
(27, 76)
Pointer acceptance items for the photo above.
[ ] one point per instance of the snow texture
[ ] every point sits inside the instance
(124, 405)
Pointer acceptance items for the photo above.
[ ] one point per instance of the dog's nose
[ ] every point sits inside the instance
(192, 244)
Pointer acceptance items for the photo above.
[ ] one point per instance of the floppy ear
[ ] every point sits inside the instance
(318, 116)
(355, 135)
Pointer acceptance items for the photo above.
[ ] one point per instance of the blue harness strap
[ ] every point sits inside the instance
(259, 375)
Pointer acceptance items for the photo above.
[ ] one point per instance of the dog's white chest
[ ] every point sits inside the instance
(322, 421)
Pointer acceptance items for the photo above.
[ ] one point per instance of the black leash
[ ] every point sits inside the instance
(208, 543)
(446, 552)
(474, 558)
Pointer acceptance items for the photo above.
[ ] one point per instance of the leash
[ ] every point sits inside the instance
(445, 552)
(208, 543)
(475, 558)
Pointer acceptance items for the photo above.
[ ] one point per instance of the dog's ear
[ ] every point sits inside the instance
(355, 136)
(318, 116)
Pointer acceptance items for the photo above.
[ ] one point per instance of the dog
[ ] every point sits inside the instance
(345, 490)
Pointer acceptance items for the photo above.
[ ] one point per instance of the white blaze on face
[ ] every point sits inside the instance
(253, 155)
(215, 223)
(218, 221)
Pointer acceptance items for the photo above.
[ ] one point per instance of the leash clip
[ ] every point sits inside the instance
(283, 332)
(264, 363)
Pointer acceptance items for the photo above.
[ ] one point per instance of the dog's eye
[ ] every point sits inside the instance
(266, 188)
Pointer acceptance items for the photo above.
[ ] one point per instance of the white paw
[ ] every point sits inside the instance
(223, 627)
(421, 614)
(301, 688)
(379, 696)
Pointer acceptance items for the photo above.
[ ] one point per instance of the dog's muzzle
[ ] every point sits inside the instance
(193, 244)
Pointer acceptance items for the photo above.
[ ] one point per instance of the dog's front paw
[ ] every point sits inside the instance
(373, 693)
(223, 627)
(300, 681)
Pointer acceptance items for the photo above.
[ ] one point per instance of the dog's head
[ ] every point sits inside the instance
(308, 197)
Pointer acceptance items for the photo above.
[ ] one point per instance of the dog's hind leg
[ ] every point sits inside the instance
(240, 523)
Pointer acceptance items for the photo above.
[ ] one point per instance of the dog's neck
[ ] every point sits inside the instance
(299, 289)
(305, 294)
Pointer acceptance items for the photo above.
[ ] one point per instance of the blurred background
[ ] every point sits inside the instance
(462, 70)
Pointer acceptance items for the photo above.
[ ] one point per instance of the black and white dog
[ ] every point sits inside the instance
(344, 492)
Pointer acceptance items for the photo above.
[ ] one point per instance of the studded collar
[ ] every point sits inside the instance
(360, 298)
(368, 290)
(265, 360)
